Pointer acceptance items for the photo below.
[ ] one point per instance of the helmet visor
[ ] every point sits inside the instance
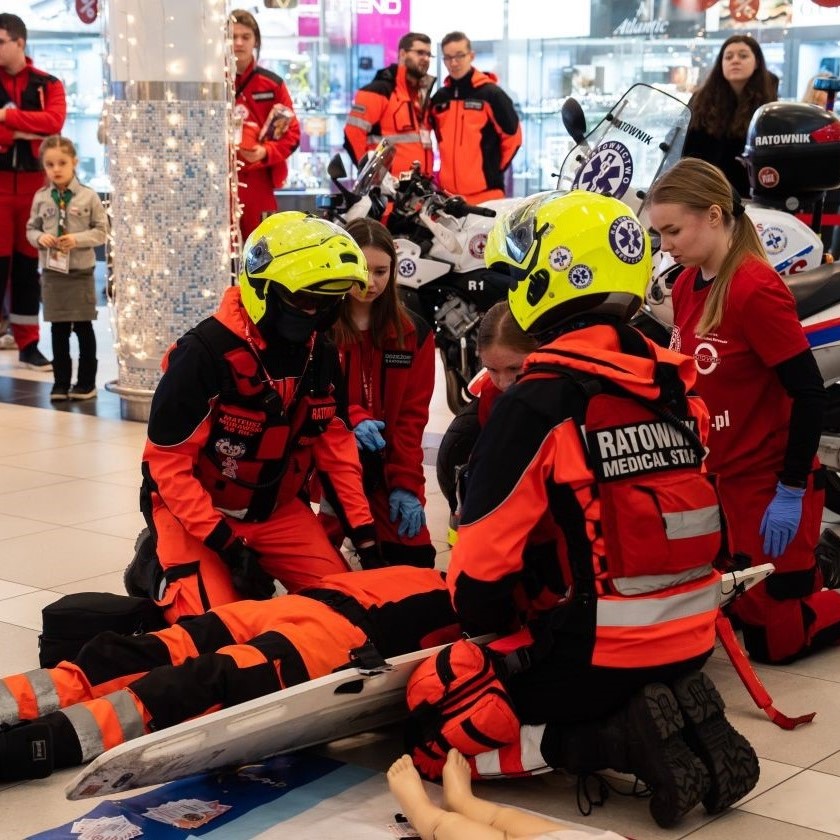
(308, 301)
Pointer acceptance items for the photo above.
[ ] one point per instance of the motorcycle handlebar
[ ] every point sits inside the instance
(457, 207)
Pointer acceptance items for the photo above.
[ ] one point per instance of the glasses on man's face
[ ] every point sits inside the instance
(458, 57)
(421, 53)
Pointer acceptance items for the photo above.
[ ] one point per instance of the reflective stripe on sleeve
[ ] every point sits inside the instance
(692, 523)
(87, 731)
(647, 611)
(9, 710)
(358, 122)
(44, 689)
(646, 584)
(410, 137)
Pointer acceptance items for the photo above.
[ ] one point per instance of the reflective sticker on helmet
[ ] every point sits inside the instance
(406, 267)
(580, 276)
(627, 240)
(774, 239)
(609, 170)
(560, 258)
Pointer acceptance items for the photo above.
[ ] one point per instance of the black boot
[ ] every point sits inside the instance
(26, 752)
(644, 739)
(728, 755)
(143, 575)
(827, 553)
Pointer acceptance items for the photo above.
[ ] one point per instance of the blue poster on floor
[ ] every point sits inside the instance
(231, 804)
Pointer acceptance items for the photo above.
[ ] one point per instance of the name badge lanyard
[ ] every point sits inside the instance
(61, 200)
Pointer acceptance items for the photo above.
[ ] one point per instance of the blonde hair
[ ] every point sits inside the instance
(698, 185)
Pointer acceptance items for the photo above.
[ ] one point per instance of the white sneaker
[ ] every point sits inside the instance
(7, 342)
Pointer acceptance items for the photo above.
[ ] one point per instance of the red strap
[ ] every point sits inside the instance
(750, 679)
(828, 219)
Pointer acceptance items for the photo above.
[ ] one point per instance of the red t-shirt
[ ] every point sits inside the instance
(749, 408)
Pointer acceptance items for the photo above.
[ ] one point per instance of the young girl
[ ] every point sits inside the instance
(66, 223)
(764, 391)
(502, 348)
(387, 356)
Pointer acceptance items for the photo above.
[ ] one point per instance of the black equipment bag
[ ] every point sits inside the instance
(73, 620)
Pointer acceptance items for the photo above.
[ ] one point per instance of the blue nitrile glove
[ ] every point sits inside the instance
(781, 519)
(367, 435)
(407, 506)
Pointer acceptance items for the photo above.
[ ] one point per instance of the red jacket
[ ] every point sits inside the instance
(398, 390)
(205, 432)
(388, 107)
(39, 108)
(478, 133)
(259, 90)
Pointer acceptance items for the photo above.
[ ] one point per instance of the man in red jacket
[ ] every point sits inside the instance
(476, 126)
(32, 106)
(395, 105)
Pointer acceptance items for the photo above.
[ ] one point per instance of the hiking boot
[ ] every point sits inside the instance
(81, 392)
(729, 758)
(31, 357)
(827, 553)
(645, 739)
(658, 754)
(143, 574)
(26, 752)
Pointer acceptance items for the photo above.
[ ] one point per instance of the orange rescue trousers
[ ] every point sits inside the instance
(121, 687)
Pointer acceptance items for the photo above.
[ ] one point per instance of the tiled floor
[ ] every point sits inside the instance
(68, 519)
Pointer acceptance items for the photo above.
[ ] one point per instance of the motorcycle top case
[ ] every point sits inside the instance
(793, 149)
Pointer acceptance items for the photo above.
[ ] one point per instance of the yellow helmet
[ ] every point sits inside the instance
(570, 253)
(301, 254)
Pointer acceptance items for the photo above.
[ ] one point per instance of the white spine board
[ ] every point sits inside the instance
(314, 712)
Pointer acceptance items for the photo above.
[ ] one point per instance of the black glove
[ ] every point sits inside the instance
(370, 557)
(249, 578)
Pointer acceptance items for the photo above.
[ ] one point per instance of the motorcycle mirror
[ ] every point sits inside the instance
(574, 120)
(335, 168)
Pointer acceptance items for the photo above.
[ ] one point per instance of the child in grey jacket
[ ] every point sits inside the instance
(66, 223)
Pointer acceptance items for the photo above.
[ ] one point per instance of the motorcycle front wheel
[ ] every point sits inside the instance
(457, 395)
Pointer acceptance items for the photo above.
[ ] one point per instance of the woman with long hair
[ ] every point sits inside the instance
(738, 84)
(758, 376)
(387, 357)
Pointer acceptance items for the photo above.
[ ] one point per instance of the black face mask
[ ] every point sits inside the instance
(284, 322)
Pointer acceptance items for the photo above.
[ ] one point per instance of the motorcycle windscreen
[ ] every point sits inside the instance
(641, 137)
(377, 165)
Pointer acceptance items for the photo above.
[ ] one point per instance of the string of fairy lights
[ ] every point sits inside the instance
(174, 206)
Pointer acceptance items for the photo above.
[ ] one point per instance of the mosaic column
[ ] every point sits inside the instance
(170, 169)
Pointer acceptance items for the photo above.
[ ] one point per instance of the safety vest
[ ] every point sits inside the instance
(652, 519)
(257, 452)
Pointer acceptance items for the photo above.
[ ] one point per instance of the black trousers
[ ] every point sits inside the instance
(62, 365)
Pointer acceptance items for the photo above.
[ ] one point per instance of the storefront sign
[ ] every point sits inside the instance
(743, 11)
(630, 19)
(87, 10)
